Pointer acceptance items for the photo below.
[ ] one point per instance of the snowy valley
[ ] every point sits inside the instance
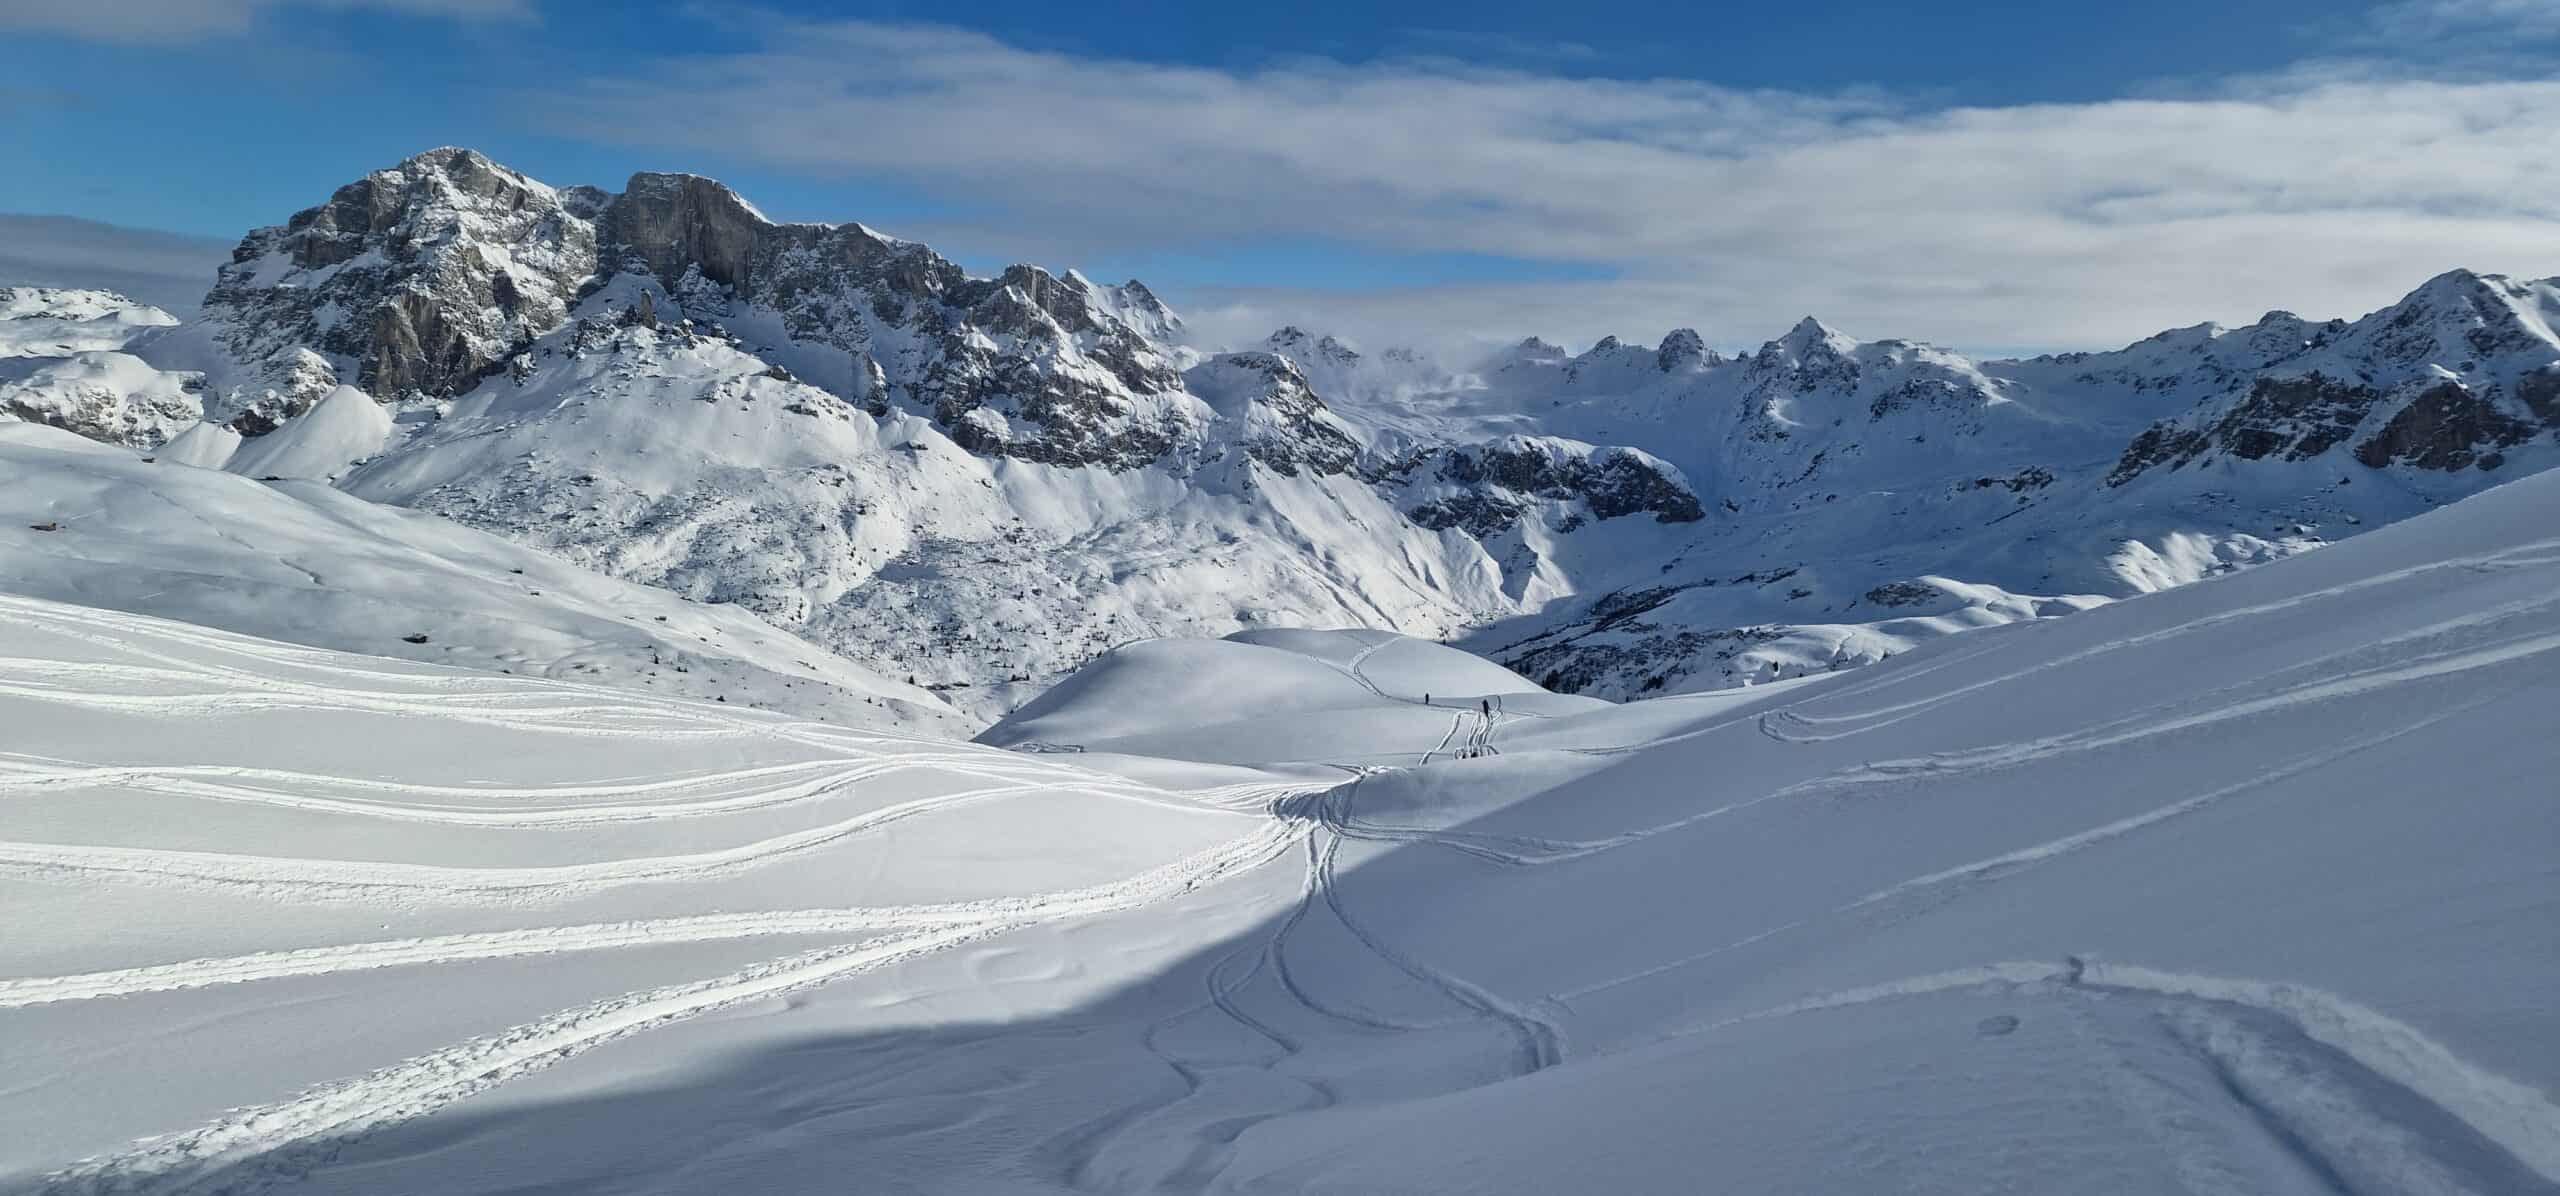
(545, 688)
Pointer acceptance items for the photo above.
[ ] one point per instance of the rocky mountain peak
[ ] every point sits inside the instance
(1282, 423)
(421, 279)
(1135, 306)
(415, 279)
(1682, 349)
(1810, 339)
(1309, 349)
(670, 223)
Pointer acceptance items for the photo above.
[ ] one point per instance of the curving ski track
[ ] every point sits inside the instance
(288, 1138)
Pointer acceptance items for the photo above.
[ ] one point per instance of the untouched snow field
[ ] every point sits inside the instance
(2245, 887)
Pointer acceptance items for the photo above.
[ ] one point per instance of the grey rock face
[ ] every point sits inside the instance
(2442, 380)
(950, 344)
(667, 224)
(412, 280)
(1682, 349)
(2446, 427)
(1503, 476)
(422, 279)
(1287, 428)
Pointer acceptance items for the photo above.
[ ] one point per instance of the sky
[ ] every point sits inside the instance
(2010, 177)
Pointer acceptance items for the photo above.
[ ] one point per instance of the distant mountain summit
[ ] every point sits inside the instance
(984, 481)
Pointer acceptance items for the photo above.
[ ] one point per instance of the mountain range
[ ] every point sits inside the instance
(974, 485)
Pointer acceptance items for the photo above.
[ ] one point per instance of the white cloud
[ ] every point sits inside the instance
(2449, 18)
(1734, 211)
(189, 20)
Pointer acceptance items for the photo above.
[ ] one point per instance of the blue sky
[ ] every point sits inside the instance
(1437, 169)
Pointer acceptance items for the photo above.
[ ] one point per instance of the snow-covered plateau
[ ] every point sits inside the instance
(563, 690)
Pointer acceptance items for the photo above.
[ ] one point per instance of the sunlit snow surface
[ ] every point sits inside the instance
(297, 561)
(2249, 886)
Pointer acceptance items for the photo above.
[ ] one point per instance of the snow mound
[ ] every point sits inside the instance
(205, 446)
(1274, 696)
(342, 429)
(1396, 666)
(307, 564)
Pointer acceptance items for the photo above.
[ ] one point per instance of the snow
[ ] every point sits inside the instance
(641, 452)
(205, 446)
(2243, 886)
(344, 428)
(61, 322)
(307, 564)
(107, 395)
(437, 794)
(1275, 696)
(327, 824)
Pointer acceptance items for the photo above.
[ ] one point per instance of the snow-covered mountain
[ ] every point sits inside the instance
(978, 482)
(1866, 495)
(2243, 887)
(983, 482)
(60, 322)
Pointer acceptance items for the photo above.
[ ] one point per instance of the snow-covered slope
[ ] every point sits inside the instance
(681, 460)
(2241, 887)
(94, 524)
(239, 873)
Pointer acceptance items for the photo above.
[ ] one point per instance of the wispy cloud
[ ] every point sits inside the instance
(167, 21)
(2405, 19)
(2043, 224)
(166, 269)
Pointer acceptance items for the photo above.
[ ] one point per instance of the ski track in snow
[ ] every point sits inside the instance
(2216, 1017)
(360, 879)
(1529, 850)
(2011, 862)
(685, 796)
(1542, 1042)
(137, 666)
(2527, 556)
(2515, 1117)
(1324, 813)
(285, 1140)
